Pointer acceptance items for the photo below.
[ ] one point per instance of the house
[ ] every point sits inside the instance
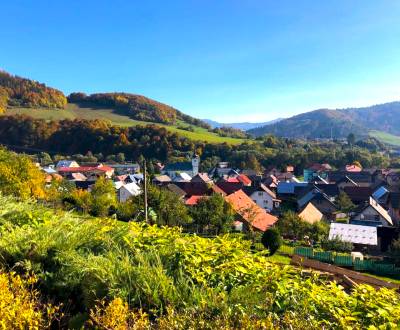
(356, 234)
(345, 182)
(222, 170)
(249, 214)
(67, 163)
(381, 194)
(191, 168)
(244, 179)
(311, 214)
(91, 172)
(315, 170)
(193, 200)
(353, 168)
(161, 180)
(363, 178)
(394, 207)
(263, 197)
(182, 177)
(320, 200)
(358, 195)
(127, 191)
(202, 177)
(270, 181)
(229, 187)
(288, 188)
(127, 168)
(175, 189)
(372, 214)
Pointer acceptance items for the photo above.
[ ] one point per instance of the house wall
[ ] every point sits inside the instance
(370, 214)
(124, 195)
(263, 200)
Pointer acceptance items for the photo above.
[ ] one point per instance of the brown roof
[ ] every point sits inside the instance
(250, 212)
(201, 177)
(229, 187)
(358, 194)
(174, 188)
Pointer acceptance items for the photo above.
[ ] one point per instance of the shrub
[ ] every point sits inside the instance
(336, 244)
(272, 240)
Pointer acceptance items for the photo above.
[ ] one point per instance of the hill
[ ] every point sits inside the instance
(19, 91)
(242, 126)
(28, 97)
(324, 123)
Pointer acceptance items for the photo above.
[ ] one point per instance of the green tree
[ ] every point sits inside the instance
(213, 213)
(351, 139)
(344, 203)
(45, 158)
(272, 240)
(103, 197)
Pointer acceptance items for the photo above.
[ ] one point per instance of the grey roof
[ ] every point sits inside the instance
(357, 234)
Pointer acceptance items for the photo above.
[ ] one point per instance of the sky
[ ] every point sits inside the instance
(227, 60)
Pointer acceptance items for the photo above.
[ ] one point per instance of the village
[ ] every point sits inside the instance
(371, 222)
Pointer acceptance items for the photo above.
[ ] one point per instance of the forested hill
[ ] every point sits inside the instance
(137, 107)
(324, 122)
(21, 92)
(17, 91)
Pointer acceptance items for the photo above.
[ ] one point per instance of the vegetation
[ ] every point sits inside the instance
(17, 91)
(98, 267)
(272, 240)
(344, 203)
(336, 244)
(292, 226)
(325, 123)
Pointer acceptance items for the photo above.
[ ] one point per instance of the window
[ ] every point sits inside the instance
(260, 193)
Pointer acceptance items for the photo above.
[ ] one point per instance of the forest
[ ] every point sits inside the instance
(17, 91)
(100, 138)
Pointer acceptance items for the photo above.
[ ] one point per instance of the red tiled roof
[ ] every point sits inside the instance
(232, 180)
(193, 200)
(250, 211)
(244, 179)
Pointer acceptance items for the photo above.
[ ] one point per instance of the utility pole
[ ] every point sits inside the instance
(146, 217)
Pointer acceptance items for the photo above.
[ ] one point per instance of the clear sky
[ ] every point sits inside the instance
(227, 60)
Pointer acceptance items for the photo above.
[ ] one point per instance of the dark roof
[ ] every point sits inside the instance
(394, 199)
(84, 184)
(194, 188)
(229, 187)
(179, 166)
(358, 194)
(330, 189)
(251, 189)
(357, 177)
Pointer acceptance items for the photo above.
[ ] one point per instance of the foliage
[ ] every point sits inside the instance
(169, 208)
(179, 281)
(20, 305)
(19, 91)
(272, 240)
(103, 197)
(395, 249)
(212, 214)
(292, 226)
(336, 244)
(344, 203)
(20, 177)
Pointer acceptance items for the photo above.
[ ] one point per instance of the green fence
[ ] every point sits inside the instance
(343, 260)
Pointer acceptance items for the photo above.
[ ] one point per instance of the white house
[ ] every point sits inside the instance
(127, 191)
(263, 197)
(191, 168)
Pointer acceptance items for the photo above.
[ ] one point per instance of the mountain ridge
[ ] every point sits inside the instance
(337, 123)
(245, 126)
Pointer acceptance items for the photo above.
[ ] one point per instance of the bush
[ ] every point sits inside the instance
(272, 240)
(336, 244)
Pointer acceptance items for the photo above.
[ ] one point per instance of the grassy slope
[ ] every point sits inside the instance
(386, 137)
(74, 111)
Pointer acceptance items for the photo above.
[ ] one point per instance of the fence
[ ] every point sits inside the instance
(344, 260)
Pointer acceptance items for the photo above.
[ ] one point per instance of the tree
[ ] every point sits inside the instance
(45, 159)
(272, 240)
(167, 205)
(395, 249)
(351, 139)
(103, 197)
(20, 177)
(344, 203)
(337, 244)
(213, 213)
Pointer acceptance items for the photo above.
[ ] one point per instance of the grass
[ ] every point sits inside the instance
(73, 111)
(384, 278)
(388, 138)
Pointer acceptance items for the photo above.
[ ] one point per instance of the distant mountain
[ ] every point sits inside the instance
(324, 123)
(243, 126)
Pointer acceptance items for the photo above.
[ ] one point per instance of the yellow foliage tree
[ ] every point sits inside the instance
(20, 177)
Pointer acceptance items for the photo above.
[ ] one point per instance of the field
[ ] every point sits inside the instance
(73, 111)
(388, 138)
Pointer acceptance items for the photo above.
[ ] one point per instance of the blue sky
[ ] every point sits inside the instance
(228, 60)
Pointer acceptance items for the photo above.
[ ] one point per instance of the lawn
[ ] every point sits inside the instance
(386, 137)
(73, 111)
